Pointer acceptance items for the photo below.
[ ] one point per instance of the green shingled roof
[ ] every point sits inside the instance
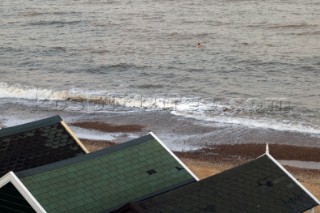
(106, 179)
(35, 144)
(258, 186)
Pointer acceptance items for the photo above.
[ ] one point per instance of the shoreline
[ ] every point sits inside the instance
(229, 152)
(235, 152)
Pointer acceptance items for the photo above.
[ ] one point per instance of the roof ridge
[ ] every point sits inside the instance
(89, 156)
(30, 126)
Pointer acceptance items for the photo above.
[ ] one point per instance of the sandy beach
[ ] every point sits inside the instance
(217, 158)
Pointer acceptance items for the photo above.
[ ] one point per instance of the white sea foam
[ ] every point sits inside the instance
(26, 92)
(197, 108)
(92, 134)
(267, 123)
(99, 135)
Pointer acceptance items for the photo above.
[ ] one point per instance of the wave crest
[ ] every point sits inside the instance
(28, 92)
(252, 113)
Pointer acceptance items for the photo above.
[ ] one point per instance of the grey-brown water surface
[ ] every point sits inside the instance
(259, 65)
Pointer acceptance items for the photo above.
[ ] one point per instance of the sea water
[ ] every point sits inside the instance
(258, 67)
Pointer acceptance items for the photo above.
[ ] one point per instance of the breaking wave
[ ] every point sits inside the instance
(282, 117)
(265, 123)
(31, 93)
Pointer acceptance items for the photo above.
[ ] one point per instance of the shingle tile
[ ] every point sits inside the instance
(34, 144)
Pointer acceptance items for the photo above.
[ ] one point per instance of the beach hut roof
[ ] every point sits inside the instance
(101, 180)
(261, 185)
(37, 143)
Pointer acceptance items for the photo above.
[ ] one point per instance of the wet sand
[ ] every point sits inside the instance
(105, 127)
(181, 133)
(94, 145)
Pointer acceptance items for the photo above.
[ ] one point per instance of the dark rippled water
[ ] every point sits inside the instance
(253, 52)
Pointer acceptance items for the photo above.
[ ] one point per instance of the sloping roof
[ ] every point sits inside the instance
(106, 179)
(37, 143)
(261, 185)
